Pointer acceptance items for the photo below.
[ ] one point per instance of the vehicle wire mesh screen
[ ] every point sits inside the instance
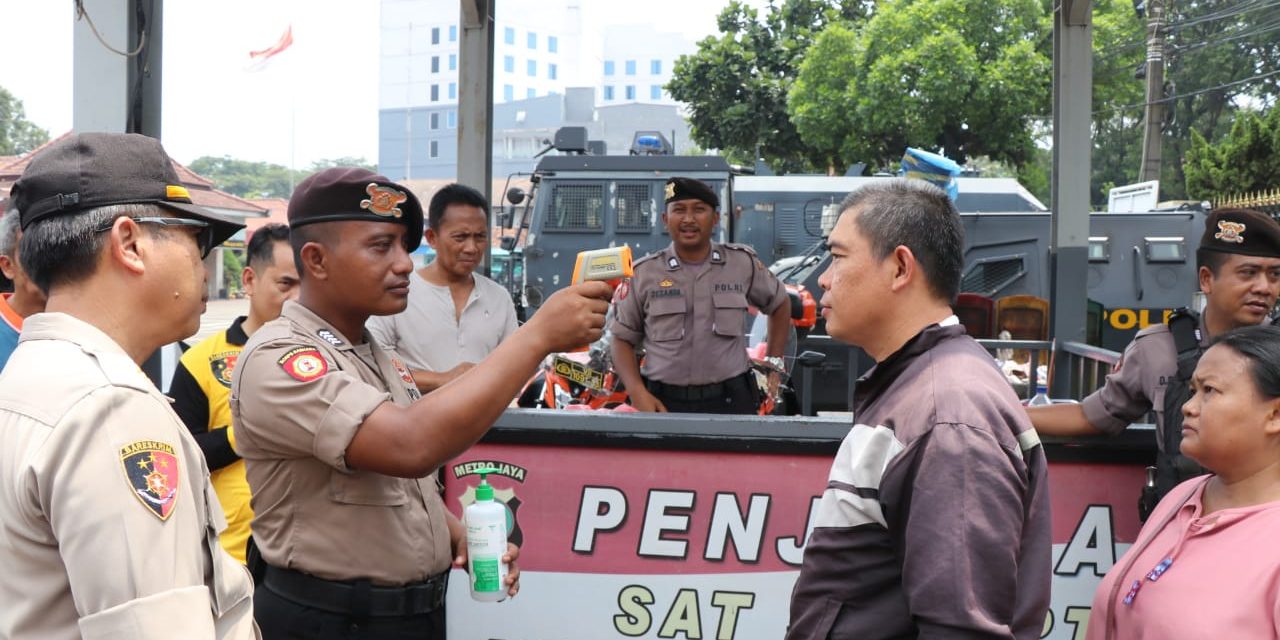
(576, 207)
(634, 206)
(988, 278)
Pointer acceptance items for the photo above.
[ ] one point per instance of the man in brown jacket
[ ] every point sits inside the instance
(935, 518)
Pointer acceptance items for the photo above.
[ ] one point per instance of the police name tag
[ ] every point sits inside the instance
(579, 373)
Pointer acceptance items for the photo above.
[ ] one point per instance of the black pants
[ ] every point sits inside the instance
(282, 619)
(737, 395)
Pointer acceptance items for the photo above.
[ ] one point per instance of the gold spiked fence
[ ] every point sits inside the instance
(1267, 200)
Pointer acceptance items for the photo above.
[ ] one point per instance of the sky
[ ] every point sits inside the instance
(319, 100)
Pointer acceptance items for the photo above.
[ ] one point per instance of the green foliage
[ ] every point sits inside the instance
(17, 134)
(249, 179)
(231, 270)
(1242, 162)
(736, 84)
(960, 76)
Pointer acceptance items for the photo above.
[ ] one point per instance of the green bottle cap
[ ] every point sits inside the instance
(484, 492)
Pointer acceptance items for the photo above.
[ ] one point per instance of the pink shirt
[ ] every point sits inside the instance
(1223, 581)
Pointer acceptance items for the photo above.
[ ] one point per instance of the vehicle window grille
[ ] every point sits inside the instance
(988, 277)
(576, 207)
(634, 207)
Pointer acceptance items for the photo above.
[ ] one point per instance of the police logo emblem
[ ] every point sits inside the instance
(222, 365)
(666, 283)
(1230, 232)
(383, 201)
(402, 370)
(671, 191)
(328, 336)
(151, 469)
(304, 364)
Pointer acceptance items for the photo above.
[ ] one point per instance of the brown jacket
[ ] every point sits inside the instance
(935, 519)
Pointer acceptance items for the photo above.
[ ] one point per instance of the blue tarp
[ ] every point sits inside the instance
(938, 169)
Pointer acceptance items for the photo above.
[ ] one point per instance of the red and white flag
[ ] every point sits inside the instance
(259, 59)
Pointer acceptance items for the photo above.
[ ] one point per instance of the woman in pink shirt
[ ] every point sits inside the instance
(1206, 565)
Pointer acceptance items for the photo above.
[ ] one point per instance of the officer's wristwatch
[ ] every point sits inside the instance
(775, 362)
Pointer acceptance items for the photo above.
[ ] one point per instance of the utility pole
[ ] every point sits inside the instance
(1155, 92)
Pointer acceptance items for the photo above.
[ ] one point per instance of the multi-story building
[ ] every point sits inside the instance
(541, 48)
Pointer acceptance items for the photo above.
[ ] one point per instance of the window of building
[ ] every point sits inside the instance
(655, 67)
(508, 92)
(435, 64)
(451, 119)
(435, 35)
(531, 93)
(608, 92)
(508, 64)
(631, 92)
(453, 62)
(509, 35)
(453, 91)
(551, 71)
(608, 67)
(435, 93)
(631, 67)
(553, 44)
(434, 151)
(453, 33)
(655, 92)
(531, 67)
(435, 120)
(533, 40)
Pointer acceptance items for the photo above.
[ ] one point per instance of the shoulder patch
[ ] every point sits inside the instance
(304, 364)
(151, 471)
(740, 247)
(621, 292)
(329, 337)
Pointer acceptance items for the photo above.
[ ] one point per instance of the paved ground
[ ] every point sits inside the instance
(218, 316)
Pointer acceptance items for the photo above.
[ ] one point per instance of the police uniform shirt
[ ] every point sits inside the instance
(299, 393)
(1137, 383)
(692, 322)
(109, 523)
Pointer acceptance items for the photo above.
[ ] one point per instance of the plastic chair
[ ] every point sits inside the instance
(977, 314)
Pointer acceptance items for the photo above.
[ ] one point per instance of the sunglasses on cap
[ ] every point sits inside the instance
(204, 233)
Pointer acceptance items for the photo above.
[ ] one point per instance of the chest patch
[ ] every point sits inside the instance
(667, 293)
(151, 471)
(222, 365)
(304, 364)
(732, 287)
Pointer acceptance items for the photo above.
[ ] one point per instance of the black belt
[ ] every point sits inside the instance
(358, 598)
(696, 392)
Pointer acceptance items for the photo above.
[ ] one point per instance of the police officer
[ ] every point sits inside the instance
(1239, 271)
(686, 305)
(340, 449)
(110, 523)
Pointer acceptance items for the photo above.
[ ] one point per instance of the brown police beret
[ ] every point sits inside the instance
(689, 189)
(350, 193)
(1243, 231)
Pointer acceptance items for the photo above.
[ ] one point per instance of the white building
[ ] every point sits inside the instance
(637, 64)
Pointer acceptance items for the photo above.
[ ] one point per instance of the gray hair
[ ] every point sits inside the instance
(64, 249)
(916, 215)
(9, 224)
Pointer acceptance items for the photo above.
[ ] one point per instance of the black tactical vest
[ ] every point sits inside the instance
(1171, 466)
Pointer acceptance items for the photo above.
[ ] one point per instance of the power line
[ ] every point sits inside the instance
(1189, 94)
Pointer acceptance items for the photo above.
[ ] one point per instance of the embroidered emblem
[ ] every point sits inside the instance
(151, 469)
(666, 283)
(304, 364)
(671, 190)
(383, 201)
(222, 365)
(328, 336)
(1230, 232)
(621, 292)
(402, 370)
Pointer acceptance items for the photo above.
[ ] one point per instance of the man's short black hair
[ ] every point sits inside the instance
(1211, 259)
(918, 216)
(261, 248)
(64, 249)
(324, 234)
(453, 194)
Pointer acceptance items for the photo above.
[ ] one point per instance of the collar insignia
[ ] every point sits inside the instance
(1230, 232)
(328, 336)
(383, 201)
(715, 256)
(673, 263)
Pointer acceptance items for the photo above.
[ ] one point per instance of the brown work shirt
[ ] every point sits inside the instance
(1137, 384)
(691, 320)
(110, 526)
(299, 393)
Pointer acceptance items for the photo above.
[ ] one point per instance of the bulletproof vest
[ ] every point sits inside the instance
(1171, 466)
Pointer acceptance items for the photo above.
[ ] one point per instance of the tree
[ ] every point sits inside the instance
(344, 161)
(17, 134)
(249, 179)
(1242, 162)
(736, 84)
(961, 76)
